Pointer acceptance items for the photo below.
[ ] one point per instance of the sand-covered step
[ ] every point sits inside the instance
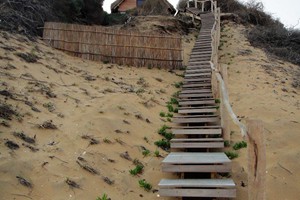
(196, 162)
(196, 120)
(213, 188)
(191, 143)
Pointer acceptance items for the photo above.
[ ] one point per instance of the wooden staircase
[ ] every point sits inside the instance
(197, 146)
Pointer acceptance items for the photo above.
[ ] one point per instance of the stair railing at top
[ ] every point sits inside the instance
(213, 4)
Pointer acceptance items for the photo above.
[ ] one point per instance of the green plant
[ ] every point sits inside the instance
(144, 184)
(176, 94)
(217, 101)
(146, 152)
(174, 101)
(169, 115)
(163, 130)
(104, 197)
(227, 143)
(163, 143)
(178, 84)
(170, 107)
(156, 153)
(240, 145)
(175, 110)
(162, 114)
(169, 119)
(231, 154)
(137, 170)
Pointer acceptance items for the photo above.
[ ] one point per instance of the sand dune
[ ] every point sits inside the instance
(260, 87)
(100, 111)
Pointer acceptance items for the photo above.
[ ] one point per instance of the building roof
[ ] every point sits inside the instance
(117, 3)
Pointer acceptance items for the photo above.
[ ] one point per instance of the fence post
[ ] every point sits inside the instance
(256, 160)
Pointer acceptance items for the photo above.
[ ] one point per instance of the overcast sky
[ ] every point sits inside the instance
(288, 11)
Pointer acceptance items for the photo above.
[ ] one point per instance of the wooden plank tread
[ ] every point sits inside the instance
(195, 120)
(197, 140)
(191, 111)
(196, 183)
(196, 131)
(196, 158)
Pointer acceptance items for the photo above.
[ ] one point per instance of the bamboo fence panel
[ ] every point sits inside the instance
(115, 46)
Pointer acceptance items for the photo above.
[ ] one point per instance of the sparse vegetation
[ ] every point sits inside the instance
(146, 152)
(227, 143)
(137, 170)
(156, 153)
(231, 154)
(144, 184)
(240, 145)
(178, 84)
(104, 197)
(162, 114)
(163, 143)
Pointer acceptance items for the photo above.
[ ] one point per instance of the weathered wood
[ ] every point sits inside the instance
(192, 71)
(196, 85)
(191, 145)
(182, 96)
(183, 103)
(197, 131)
(196, 158)
(195, 120)
(195, 91)
(115, 46)
(196, 183)
(195, 111)
(256, 160)
(205, 168)
(194, 127)
(197, 140)
(197, 80)
(217, 193)
(203, 115)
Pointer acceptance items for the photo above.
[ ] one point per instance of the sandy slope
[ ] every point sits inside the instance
(104, 101)
(260, 88)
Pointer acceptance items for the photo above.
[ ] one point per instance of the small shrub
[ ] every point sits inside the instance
(170, 107)
(146, 139)
(162, 114)
(169, 115)
(146, 152)
(156, 153)
(174, 101)
(137, 170)
(107, 141)
(178, 84)
(169, 119)
(240, 145)
(144, 184)
(163, 143)
(231, 154)
(104, 197)
(227, 143)
(176, 94)
(163, 130)
(217, 101)
(175, 110)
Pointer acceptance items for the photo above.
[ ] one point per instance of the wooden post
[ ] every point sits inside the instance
(212, 6)
(202, 5)
(188, 3)
(196, 6)
(224, 113)
(256, 160)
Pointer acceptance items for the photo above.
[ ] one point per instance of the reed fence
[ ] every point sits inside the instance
(115, 46)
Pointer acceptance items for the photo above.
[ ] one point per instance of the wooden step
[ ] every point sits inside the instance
(185, 91)
(194, 71)
(195, 116)
(186, 96)
(196, 85)
(195, 120)
(197, 102)
(215, 131)
(197, 75)
(213, 188)
(196, 111)
(197, 80)
(194, 127)
(189, 107)
(196, 162)
(192, 143)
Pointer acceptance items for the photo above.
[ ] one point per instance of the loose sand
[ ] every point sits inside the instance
(103, 102)
(260, 88)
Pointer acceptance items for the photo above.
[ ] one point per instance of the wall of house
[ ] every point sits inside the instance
(127, 5)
